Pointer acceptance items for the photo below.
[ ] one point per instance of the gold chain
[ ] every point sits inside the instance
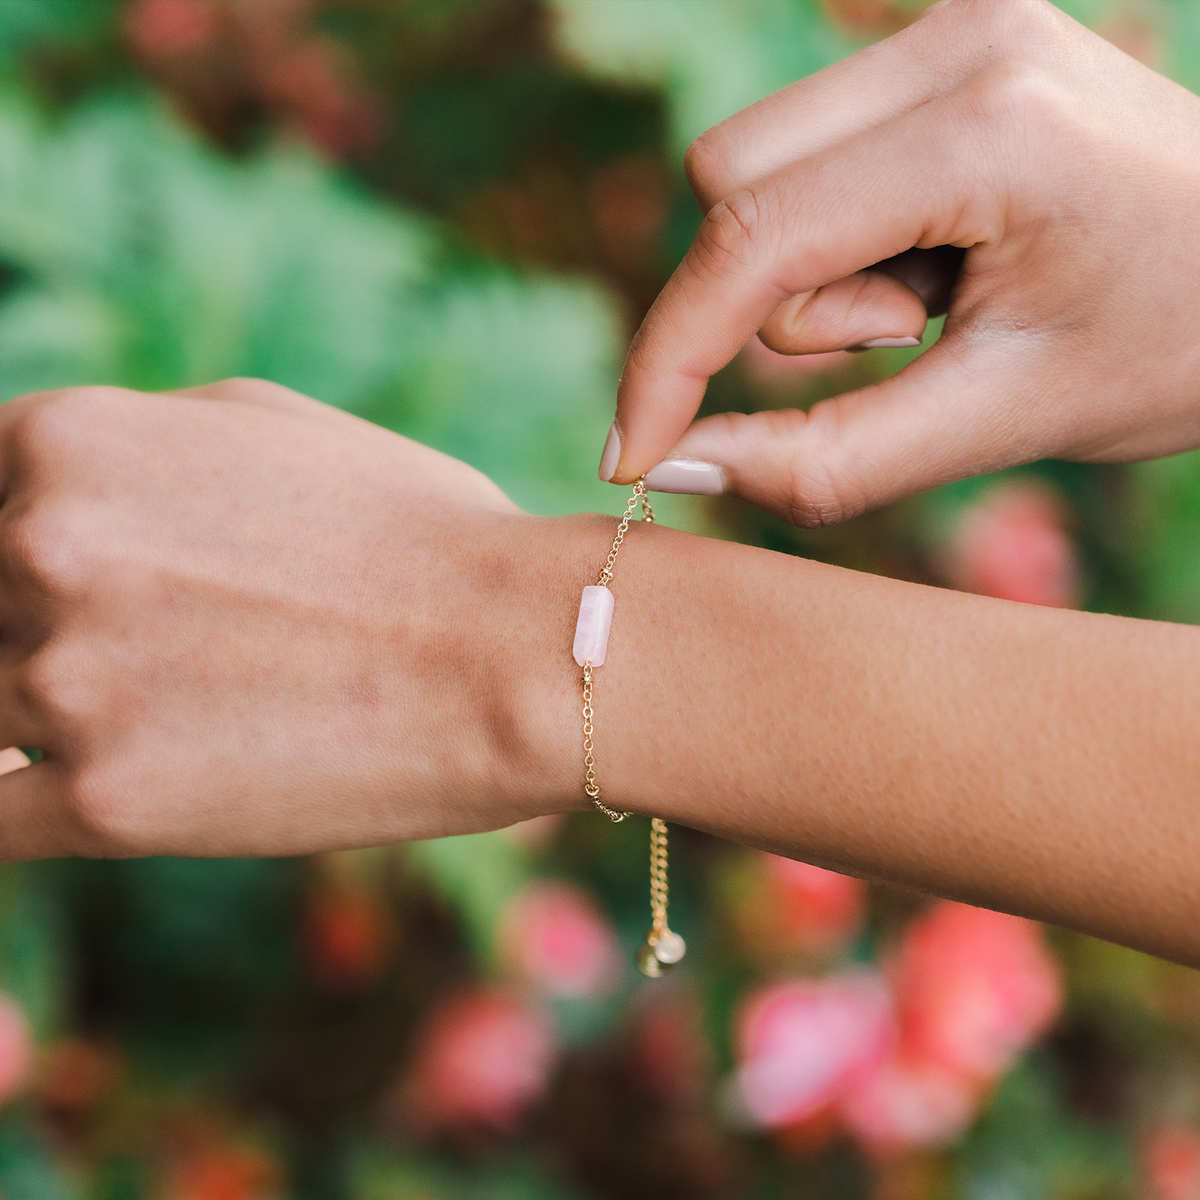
(590, 785)
(663, 948)
(658, 876)
(639, 493)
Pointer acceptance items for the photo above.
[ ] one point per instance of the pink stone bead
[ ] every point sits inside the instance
(591, 630)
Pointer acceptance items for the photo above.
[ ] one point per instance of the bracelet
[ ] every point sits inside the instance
(663, 948)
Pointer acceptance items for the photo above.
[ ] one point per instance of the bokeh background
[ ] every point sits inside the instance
(448, 216)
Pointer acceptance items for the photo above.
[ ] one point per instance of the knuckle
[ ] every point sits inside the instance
(97, 807)
(54, 421)
(44, 548)
(732, 234)
(821, 488)
(1014, 96)
(1014, 25)
(54, 682)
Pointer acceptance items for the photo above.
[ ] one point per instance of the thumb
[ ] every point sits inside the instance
(934, 422)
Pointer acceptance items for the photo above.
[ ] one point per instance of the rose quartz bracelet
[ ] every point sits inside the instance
(662, 948)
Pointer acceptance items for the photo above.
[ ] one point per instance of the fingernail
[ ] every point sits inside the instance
(612, 454)
(904, 343)
(689, 476)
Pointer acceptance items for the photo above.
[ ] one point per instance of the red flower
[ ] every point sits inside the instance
(553, 935)
(780, 907)
(310, 84)
(77, 1075)
(803, 1043)
(1014, 546)
(349, 936)
(670, 1048)
(975, 988)
(818, 910)
(1171, 1163)
(223, 1173)
(16, 1048)
(482, 1062)
(166, 28)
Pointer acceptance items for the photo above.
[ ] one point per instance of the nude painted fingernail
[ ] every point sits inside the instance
(612, 454)
(688, 476)
(903, 343)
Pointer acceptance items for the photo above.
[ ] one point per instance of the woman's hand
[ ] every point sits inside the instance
(239, 622)
(1067, 171)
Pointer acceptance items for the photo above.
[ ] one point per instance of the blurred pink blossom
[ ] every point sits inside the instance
(1170, 1161)
(1013, 545)
(483, 1060)
(165, 28)
(764, 365)
(905, 1103)
(803, 1043)
(670, 1049)
(975, 988)
(818, 910)
(16, 1048)
(310, 82)
(553, 935)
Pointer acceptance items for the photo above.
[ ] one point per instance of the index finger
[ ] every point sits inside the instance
(929, 58)
(881, 193)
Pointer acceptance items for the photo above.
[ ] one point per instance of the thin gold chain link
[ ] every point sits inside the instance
(591, 784)
(639, 493)
(658, 876)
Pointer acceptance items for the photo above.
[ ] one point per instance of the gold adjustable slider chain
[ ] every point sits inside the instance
(663, 948)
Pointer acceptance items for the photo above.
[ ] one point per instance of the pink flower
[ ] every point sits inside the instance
(669, 1044)
(803, 1043)
(778, 907)
(906, 1103)
(16, 1048)
(1014, 546)
(165, 28)
(482, 1062)
(975, 988)
(1171, 1163)
(553, 935)
(818, 910)
(310, 83)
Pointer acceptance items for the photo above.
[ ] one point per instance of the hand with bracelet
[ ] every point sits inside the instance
(238, 622)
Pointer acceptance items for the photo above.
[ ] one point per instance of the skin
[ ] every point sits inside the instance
(239, 622)
(1067, 172)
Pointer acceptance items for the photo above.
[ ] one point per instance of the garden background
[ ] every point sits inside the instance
(448, 216)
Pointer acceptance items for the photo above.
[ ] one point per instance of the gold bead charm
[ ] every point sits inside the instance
(660, 953)
(663, 948)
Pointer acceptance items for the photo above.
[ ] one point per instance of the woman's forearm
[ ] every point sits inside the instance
(1028, 759)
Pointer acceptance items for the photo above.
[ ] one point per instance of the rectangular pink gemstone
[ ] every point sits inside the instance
(591, 630)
